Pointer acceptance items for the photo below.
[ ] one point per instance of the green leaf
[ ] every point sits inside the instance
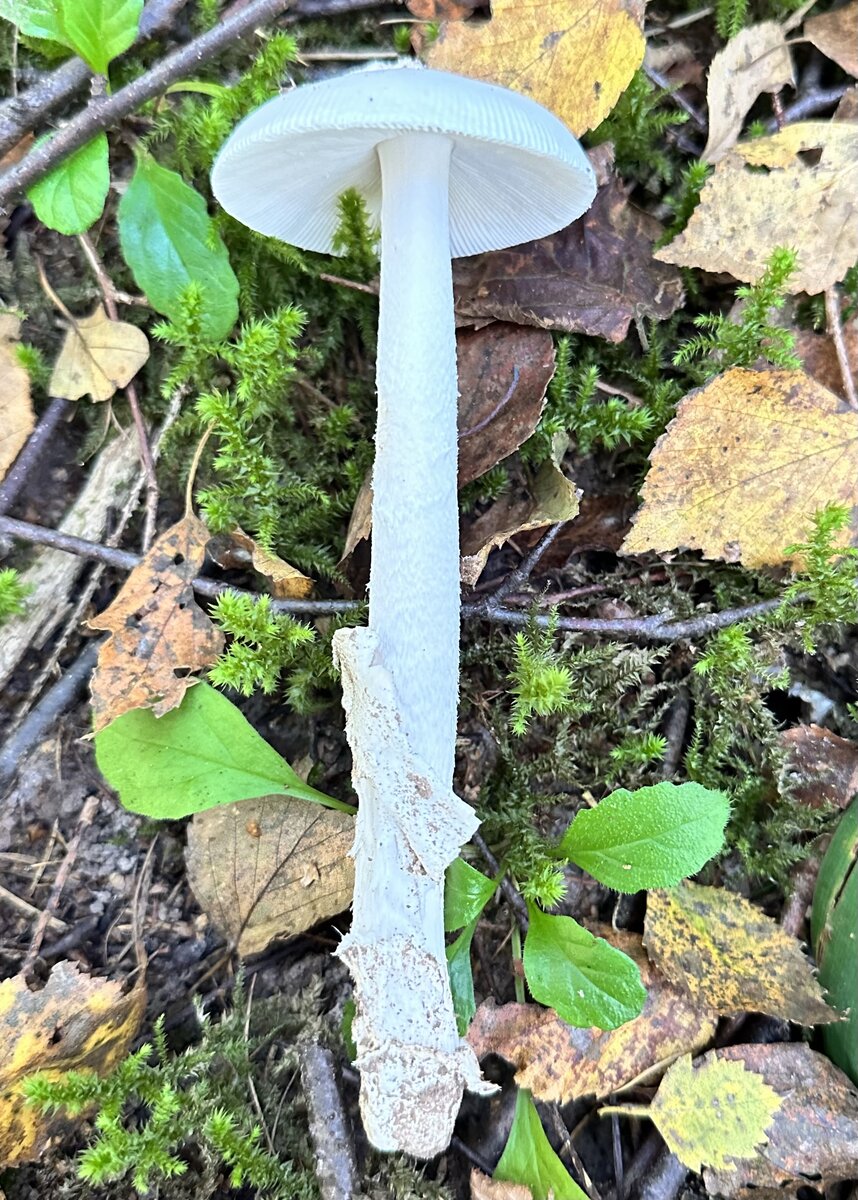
(461, 978)
(833, 924)
(529, 1159)
(466, 893)
(71, 197)
(201, 754)
(583, 978)
(99, 30)
(35, 18)
(169, 242)
(651, 838)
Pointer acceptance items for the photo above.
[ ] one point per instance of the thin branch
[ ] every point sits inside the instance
(105, 111)
(513, 898)
(336, 1168)
(835, 332)
(16, 478)
(815, 101)
(525, 568)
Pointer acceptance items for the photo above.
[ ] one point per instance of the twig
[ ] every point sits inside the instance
(15, 479)
(108, 292)
(666, 1179)
(525, 568)
(835, 331)
(661, 81)
(514, 900)
(802, 884)
(371, 289)
(674, 732)
(52, 705)
(21, 114)
(567, 1146)
(336, 1169)
(29, 910)
(87, 816)
(105, 111)
(814, 101)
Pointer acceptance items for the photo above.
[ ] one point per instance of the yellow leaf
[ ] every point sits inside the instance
(744, 215)
(756, 60)
(743, 465)
(576, 57)
(729, 957)
(287, 582)
(98, 356)
(74, 1023)
(159, 633)
(16, 410)
(270, 867)
(713, 1114)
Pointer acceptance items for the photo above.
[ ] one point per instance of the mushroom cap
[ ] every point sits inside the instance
(516, 172)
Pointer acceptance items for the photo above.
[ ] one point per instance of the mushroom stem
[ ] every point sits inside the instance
(414, 576)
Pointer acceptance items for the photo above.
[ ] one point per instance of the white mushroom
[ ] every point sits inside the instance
(448, 166)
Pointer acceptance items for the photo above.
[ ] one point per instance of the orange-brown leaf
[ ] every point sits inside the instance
(158, 633)
(16, 409)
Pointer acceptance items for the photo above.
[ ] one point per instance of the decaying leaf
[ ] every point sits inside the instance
(440, 10)
(560, 1063)
(594, 277)
(159, 634)
(238, 550)
(270, 868)
(75, 1022)
(16, 409)
(817, 352)
(746, 213)
(483, 1188)
(813, 1137)
(576, 57)
(756, 60)
(726, 955)
(98, 356)
(821, 768)
(835, 33)
(743, 465)
(552, 498)
(715, 1113)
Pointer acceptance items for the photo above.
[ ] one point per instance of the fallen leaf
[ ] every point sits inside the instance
(756, 60)
(159, 634)
(559, 1063)
(270, 868)
(726, 955)
(483, 1188)
(17, 152)
(593, 277)
(552, 498)
(819, 356)
(237, 551)
(576, 57)
(820, 768)
(715, 1113)
(813, 1138)
(76, 1022)
(745, 213)
(835, 34)
(440, 10)
(743, 465)
(98, 356)
(16, 409)
(833, 923)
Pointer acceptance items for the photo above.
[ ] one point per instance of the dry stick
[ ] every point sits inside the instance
(49, 421)
(835, 331)
(513, 898)
(336, 1169)
(87, 816)
(105, 111)
(106, 287)
(815, 101)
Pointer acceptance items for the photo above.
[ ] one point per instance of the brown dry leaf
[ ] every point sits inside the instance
(821, 768)
(813, 1138)
(270, 867)
(552, 498)
(559, 1063)
(76, 1023)
(98, 356)
(743, 463)
(744, 215)
(835, 34)
(593, 277)
(483, 1188)
(287, 582)
(440, 10)
(756, 60)
(159, 634)
(16, 409)
(576, 57)
(728, 956)
(817, 352)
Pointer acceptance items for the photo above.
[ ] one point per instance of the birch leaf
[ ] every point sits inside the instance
(756, 60)
(97, 357)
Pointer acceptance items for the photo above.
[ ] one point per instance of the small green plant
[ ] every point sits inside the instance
(154, 1106)
(263, 643)
(725, 343)
(13, 594)
(540, 683)
(828, 580)
(637, 127)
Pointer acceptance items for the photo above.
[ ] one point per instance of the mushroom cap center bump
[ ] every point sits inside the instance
(516, 172)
